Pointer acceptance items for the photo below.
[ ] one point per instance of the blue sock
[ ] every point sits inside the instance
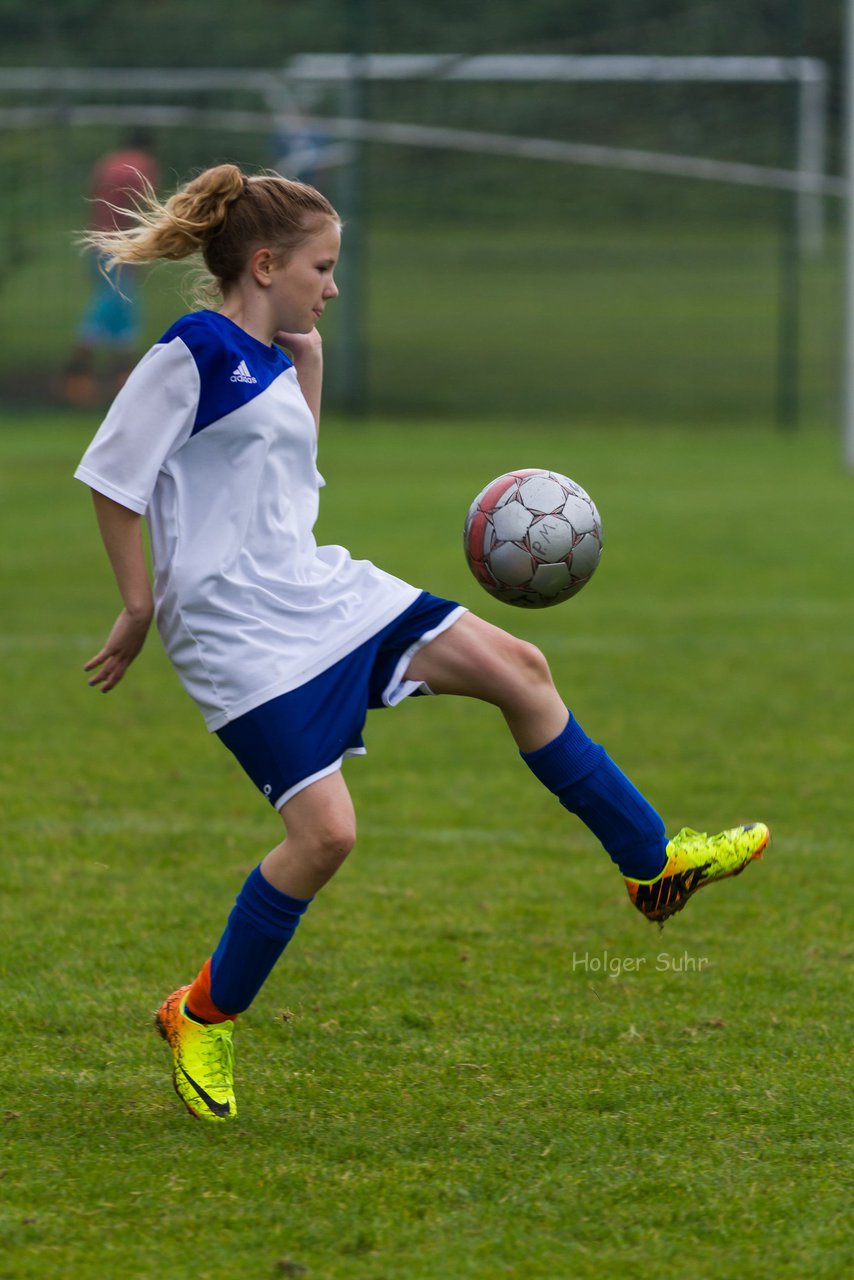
(262, 923)
(587, 782)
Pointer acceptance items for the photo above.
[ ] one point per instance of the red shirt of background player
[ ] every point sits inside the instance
(116, 181)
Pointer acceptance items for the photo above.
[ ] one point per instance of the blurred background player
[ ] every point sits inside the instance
(110, 323)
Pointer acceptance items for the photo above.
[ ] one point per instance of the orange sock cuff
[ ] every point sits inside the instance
(199, 999)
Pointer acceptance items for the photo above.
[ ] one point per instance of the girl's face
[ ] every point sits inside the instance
(301, 286)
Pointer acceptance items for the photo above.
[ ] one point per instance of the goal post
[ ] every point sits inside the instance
(808, 75)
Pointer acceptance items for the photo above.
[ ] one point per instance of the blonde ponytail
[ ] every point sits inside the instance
(180, 227)
(221, 214)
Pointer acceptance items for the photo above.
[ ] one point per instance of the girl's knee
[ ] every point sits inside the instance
(326, 847)
(320, 837)
(333, 839)
(525, 660)
(320, 822)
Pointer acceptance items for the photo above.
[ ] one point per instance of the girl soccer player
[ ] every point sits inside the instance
(285, 645)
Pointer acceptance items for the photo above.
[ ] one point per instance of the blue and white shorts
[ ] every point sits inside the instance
(301, 736)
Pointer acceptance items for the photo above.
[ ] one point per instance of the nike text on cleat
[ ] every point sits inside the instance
(693, 861)
(202, 1059)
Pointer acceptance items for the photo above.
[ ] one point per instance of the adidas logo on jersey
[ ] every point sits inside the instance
(242, 374)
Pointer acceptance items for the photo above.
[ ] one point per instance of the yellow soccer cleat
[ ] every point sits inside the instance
(202, 1059)
(693, 861)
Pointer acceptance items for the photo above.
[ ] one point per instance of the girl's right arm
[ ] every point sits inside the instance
(121, 531)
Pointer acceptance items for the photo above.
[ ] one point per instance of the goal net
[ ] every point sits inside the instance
(578, 238)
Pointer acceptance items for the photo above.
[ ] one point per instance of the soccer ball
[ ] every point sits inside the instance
(533, 538)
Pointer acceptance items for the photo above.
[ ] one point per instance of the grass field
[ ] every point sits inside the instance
(446, 1078)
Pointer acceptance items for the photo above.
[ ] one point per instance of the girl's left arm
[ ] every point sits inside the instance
(121, 531)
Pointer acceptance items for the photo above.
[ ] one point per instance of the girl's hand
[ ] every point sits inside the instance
(300, 345)
(123, 644)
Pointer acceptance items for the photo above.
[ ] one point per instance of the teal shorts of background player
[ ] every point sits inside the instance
(112, 313)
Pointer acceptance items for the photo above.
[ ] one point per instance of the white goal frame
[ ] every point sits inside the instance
(278, 90)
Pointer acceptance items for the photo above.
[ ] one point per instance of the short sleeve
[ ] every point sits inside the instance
(150, 418)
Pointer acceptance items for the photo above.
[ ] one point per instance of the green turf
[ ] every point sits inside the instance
(438, 1082)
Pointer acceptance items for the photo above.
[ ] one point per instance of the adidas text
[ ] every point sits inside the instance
(242, 374)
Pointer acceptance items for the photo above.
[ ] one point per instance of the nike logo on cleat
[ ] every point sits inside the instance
(669, 890)
(683, 883)
(221, 1109)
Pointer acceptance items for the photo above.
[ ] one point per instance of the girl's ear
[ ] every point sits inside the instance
(261, 267)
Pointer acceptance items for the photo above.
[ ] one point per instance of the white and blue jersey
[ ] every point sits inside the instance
(212, 441)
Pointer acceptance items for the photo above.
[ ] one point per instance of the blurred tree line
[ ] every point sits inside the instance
(267, 32)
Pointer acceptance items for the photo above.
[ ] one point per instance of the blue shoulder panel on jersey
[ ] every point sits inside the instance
(233, 366)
